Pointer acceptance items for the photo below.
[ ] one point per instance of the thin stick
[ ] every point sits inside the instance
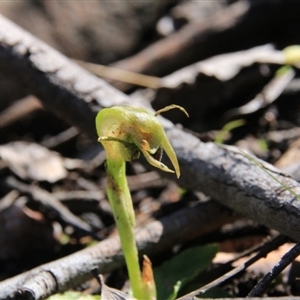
(122, 75)
(288, 258)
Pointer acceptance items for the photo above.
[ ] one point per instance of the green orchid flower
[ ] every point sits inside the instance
(125, 132)
(136, 130)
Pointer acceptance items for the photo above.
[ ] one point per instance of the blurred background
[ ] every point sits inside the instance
(226, 62)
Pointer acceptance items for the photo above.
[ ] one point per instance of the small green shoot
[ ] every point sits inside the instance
(263, 145)
(227, 128)
(125, 132)
(282, 70)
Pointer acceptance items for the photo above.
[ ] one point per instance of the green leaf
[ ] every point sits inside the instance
(227, 128)
(74, 296)
(174, 274)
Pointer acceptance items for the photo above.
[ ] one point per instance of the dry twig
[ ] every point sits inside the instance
(288, 258)
(19, 109)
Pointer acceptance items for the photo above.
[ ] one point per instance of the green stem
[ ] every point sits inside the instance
(121, 203)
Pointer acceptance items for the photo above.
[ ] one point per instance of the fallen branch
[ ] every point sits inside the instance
(66, 273)
(222, 172)
(64, 88)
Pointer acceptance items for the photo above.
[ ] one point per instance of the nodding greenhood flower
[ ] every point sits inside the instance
(135, 130)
